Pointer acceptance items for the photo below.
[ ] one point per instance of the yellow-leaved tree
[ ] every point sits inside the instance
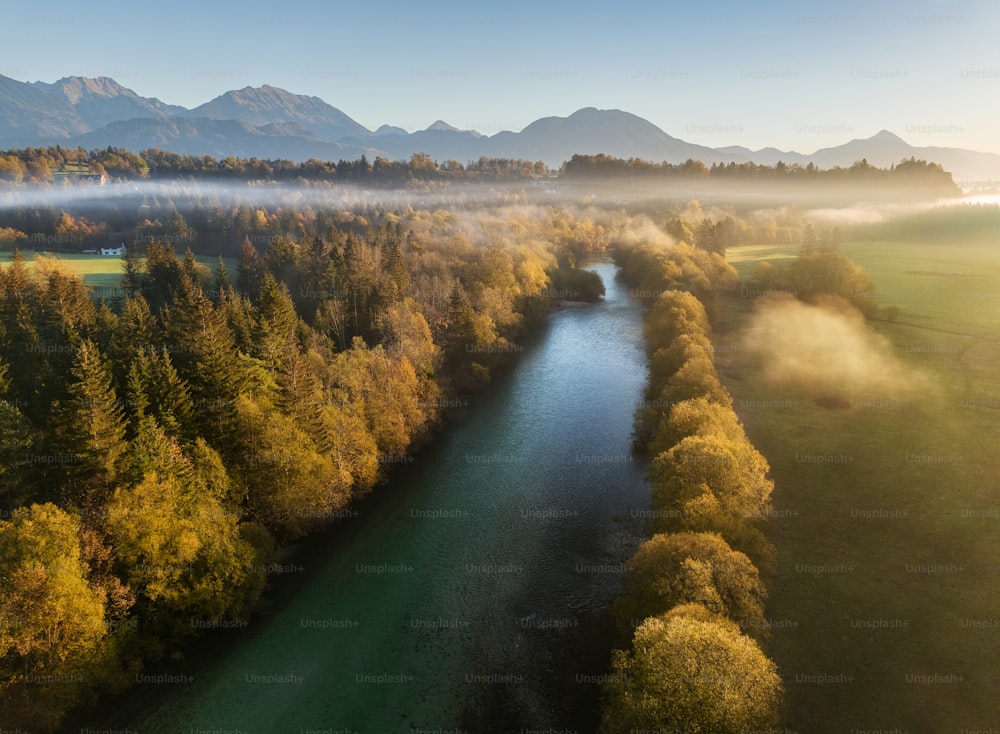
(691, 671)
(52, 621)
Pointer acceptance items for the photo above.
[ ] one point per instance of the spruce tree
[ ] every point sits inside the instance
(95, 423)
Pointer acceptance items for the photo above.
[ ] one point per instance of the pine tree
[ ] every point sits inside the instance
(133, 272)
(135, 396)
(20, 342)
(394, 266)
(206, 358)
(278, 322)
(221, 282)
(461, 322)
(96, 426)
(190, 266)
(15, 441)
(250, 272)
(105, 327)
(170, 397)
(241, 318)
(163, 275)
(300, 383)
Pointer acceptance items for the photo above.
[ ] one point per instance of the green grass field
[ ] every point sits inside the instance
(886, 604)
(103, 274)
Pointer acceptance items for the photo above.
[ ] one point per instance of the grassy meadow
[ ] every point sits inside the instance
(102, 274)
(885, 609)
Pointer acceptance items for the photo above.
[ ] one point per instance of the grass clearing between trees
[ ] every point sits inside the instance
(102, 273)
(885, 610)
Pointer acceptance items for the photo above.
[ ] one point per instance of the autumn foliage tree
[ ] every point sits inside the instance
(53, 619)
(691, 568)
(818, 271)
(691, 671)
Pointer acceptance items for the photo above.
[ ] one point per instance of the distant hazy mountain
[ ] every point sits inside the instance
(885, 148)
(552, 140)
(29, 115)
(102, 100)
(274, 123)
(444, 126)
(882, 149)
(390, 130)
(440, 143)
(591, 131)
(267, 104)
(220, 138)
(37, 113)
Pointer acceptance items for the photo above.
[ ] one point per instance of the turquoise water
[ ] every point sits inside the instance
(470, 593)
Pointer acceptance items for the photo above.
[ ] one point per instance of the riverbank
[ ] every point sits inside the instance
(471, 590)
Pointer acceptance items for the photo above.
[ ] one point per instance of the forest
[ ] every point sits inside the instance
(908, 173)
(158, 451)
(46, 165)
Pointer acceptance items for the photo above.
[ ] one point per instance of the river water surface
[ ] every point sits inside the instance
(471, 592)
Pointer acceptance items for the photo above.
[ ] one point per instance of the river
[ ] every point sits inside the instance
(471, 592)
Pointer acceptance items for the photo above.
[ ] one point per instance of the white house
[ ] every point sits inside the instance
(113, 247)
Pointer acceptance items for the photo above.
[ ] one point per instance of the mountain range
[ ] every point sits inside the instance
(268, 122)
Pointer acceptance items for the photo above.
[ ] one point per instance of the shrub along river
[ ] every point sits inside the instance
(471, 593)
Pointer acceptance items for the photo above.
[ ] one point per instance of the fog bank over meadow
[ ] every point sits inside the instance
(847, 207)
(826, 348)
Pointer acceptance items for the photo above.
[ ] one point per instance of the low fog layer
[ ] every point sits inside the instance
(184, 194)
(876, 213)
(826, 349)
(187, 194)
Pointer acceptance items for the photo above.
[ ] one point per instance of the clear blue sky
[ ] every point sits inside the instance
(799, 75)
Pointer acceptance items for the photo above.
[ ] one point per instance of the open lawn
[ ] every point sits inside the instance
(886, 603)
(103, 274)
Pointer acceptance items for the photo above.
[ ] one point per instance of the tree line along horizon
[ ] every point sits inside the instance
(212, 224)
(159, 448)
(44, 165)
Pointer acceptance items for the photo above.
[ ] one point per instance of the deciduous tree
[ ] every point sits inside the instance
(694, 674)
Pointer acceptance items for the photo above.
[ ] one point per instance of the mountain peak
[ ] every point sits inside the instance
(263, 92)
(97, 101)
(390, 130)
(73, 88)
(266, 104)
(442, 125)
(884, 136)
(590, 120)
(595, 112)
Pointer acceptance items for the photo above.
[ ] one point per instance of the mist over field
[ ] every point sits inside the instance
(826, 348)
(220, 193)
(837, 208)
